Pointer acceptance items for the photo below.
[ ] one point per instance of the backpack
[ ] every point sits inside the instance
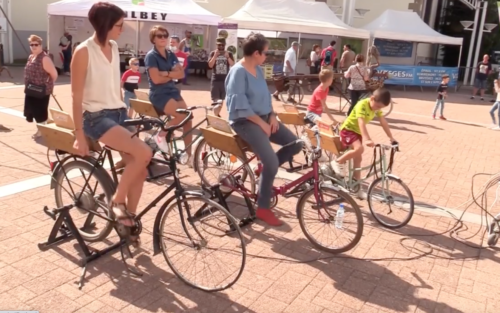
(328, 57)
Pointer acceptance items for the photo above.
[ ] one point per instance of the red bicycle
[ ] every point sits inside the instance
(324, 211)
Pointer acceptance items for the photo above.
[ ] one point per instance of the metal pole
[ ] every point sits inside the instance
(480, 37)
(471, 46)
(352, 8)
(345, 11)
(458, 66)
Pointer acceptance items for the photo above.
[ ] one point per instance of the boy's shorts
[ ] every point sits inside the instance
(127, 95)
(313, 117)
(348, 137)
(480, 83)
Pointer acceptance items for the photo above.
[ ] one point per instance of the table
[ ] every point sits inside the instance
(200, 67)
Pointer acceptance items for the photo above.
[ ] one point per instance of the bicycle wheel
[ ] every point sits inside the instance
(220, 172)
(326, 215)
(185, 241)
(93, 200)
(399, 210)
(200, 154)
(295, 94)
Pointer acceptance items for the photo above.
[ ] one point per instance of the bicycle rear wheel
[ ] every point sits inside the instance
(92, 201)
(399, 203)
(185, 243)
(324, 214)
(295, 93)
(200, 154)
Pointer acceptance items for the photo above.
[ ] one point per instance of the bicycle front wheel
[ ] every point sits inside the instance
(390, 201)
(319, 220)
(202, 243)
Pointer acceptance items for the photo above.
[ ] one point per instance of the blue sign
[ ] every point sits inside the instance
(425, 76)
(394, 48)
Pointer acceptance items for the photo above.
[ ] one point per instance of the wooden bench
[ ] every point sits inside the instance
(60, 133)
(219, 135)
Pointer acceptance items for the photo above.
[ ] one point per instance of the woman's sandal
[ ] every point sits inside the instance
(121, 214)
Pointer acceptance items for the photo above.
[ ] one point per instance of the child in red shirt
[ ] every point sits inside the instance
(318, 101)
(130, 83)
(181, 56)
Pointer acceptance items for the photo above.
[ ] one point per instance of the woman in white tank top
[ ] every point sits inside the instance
(99, 110)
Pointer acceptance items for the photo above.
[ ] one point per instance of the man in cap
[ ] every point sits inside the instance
(219, 61)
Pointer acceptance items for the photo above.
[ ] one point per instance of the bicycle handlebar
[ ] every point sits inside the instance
(394, 145)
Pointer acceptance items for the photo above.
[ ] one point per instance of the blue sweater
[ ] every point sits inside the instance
(246, 95)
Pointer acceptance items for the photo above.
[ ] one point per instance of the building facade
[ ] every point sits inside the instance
(30, 17)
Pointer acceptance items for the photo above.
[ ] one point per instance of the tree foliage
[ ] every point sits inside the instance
(451, 26)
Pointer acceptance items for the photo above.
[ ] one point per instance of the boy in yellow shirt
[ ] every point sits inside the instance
(353, 132)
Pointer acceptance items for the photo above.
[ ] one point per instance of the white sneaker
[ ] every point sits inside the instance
(496, 128)
(338, 168)
(493, 126)
(161, 142)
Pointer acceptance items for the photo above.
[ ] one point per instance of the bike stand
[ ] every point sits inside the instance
(65, 225)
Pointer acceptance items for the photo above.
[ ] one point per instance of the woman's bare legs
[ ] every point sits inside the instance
(139, 154)
(135, 192)
(170, 109)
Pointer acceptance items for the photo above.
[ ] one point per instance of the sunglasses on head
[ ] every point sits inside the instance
(161, 36)
(135, 64)
(34, 44)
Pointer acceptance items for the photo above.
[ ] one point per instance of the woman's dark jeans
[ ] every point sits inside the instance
(67, 60)
(355, 95)
(260, 144)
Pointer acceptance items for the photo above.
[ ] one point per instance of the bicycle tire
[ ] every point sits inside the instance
(245, 173)
(296, 90)
(104, 180)
(357, 212)
(235, 230)
(411, 208)
(198, 156)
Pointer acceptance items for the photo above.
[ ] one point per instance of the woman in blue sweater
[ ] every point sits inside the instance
(251, 116)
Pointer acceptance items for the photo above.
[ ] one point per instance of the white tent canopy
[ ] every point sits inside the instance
(294, 16)
(168, 11)
(407, 26)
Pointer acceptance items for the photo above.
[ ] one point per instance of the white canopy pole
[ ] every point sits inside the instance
(458, 65)
(479, 39)
(137, 39)
(471, 46)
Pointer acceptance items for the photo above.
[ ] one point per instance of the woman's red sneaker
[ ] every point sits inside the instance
(268, 217)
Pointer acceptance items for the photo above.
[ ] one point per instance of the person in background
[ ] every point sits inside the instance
(130, 83)
(314, 60)
(181, 56)
(442, 91)
(99, 111)
(185, 46)
(483, 71)
(328, 56)
(496, 107)
(38, 72)
(67, 51)
(251, 116)
(373, 60)
(347, 58)
(163, 68)
(358, 75)
(220, 61)
(289, 67)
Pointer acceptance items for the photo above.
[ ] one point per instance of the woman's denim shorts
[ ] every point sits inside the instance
(160, 100)
(96, 124)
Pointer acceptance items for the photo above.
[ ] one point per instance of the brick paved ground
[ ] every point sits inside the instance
(419, 268)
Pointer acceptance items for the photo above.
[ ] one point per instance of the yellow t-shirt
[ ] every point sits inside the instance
(363, 110)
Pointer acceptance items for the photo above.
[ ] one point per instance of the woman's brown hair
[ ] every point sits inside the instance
(156, 29)
(315, 47)
(360, 58)
(35, 38)
(103, 16)
(254, 42)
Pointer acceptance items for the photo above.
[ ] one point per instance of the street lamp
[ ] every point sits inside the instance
(483, 27)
